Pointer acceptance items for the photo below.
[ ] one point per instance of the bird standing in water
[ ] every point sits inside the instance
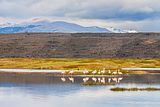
(71, 72)
(109, 71)
(94, 72)
(103, 71)
(85, 72)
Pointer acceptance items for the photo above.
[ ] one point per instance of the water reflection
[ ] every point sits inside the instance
(66, 91)
(52, 79)
(93, 79)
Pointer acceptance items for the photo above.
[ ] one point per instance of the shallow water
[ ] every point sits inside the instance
(51, 91)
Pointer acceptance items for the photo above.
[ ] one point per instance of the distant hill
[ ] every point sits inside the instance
(58, 26)
(80, 45)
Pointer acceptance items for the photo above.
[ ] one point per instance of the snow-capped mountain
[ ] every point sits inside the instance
(114, 30)
(57, 26)
(5, 22)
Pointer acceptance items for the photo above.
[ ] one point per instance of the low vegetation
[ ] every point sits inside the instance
(76, 63)
(135, 89)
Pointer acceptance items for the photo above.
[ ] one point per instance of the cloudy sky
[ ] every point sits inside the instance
(141, 15)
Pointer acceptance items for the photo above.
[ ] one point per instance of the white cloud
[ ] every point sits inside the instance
(116, 13)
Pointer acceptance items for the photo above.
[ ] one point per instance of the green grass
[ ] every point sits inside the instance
(76, 63)
(135, 89)
(96, 84)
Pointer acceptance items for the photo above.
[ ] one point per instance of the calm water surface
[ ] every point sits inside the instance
(51, 91)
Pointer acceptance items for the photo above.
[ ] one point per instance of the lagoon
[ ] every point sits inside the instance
(28, 90)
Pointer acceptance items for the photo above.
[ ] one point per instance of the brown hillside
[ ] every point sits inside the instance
(80, 45)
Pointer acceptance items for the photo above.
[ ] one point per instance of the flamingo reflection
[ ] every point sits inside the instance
(117, 80)
(109, 80)
(71, 79)
(103, 80)
(85, 79)
(94, 79)
(63, 79)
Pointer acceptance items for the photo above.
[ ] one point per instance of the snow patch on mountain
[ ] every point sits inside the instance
(42, 25)
(114, 30)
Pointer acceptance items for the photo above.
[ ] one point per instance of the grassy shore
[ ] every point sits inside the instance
(71, 63)
(135, 89)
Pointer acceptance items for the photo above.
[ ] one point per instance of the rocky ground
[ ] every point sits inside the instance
(80, 45)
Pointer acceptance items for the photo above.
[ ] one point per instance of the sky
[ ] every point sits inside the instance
(140, 15)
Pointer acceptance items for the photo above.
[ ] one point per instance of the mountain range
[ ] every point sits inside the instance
(57, 26)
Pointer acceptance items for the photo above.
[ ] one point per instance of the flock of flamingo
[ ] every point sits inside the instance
(93, 78)
(100, 72)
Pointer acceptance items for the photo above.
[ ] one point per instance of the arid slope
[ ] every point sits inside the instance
(80, 45)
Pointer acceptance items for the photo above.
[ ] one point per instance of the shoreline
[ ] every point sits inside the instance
(138, 69)
(59, 72)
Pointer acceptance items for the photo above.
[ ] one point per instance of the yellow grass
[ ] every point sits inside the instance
(75, 63)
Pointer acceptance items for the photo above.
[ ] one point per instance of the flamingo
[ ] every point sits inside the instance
(109, 71)
(94, 79)
(115, 73)
(71, 72)
(63, 72)
(71, 79)
(85, 72)
(120, 73)
(94, 72)
(99, 72)
(103, 71)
